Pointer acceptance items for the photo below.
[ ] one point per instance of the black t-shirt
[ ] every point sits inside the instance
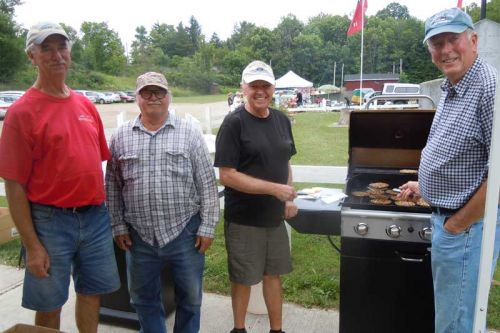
(261, 148)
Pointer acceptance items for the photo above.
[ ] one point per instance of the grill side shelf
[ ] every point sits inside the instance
(315, 217)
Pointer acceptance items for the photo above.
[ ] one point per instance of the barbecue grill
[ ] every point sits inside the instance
(385, 273)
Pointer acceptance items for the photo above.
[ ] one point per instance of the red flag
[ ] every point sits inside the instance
(356, 23)
(459, 4)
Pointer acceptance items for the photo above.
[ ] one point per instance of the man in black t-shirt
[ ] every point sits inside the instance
(253, 150)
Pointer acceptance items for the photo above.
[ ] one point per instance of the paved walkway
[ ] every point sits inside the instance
(216, 312)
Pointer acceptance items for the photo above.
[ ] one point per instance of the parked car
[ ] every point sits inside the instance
(3, 108)
(6, 101)
(113, 96)
(373, 94)
(92, 95)
(401, 89)
(357, 95)
(125, 98)
(103, 98)
(17, 93)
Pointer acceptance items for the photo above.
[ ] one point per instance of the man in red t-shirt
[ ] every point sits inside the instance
(51, 152)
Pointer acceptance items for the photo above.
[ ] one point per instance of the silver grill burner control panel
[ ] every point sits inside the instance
(386, 225)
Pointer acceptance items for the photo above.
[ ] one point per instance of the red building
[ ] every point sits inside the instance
(375, 81)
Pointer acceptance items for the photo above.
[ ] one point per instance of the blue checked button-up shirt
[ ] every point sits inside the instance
(155, 182)
(454, 162)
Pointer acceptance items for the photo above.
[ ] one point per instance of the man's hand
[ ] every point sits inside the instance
(284, 192)
(203, 243)
(409, 190)
(452, 227)
(38, 261)
(290, 209)
(123, 241)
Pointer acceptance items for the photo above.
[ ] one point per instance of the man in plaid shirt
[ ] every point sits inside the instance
(164, 206)
(454, 167)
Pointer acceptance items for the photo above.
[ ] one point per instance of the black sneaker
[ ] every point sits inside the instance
(280, 331)
(238, 330)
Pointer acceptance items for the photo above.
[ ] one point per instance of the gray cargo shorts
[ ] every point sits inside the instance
(253, 252)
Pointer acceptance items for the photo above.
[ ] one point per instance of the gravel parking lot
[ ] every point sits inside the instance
(110, 112)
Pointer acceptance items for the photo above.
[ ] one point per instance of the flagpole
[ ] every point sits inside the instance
(362, 41)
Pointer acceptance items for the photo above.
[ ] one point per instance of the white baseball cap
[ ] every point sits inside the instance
(258, 70)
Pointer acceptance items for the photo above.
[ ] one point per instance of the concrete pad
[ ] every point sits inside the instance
(216, 316)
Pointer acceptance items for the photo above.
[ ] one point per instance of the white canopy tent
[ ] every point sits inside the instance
(292, 80)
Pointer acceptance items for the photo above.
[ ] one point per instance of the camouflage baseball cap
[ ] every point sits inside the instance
(151, 79)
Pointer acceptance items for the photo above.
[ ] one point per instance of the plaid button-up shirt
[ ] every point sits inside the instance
(454, 162)
(155, 182)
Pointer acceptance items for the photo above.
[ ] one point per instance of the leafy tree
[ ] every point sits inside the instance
(394, 10)
(102, 48)
(8, 6)
(288, 28)
(182, 43)
(492, 11)
(76, 43)
(161, 37)
(12, 58)
(215, 40)
(141, 45)
(261, 41)
(194, 31)
(240, 30)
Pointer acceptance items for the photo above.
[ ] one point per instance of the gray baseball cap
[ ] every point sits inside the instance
(40, 31)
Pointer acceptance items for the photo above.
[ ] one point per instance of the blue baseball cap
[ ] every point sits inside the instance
(449, 20)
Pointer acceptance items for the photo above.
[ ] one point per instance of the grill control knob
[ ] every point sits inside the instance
(361, 229)
(426, 233)
(393, 231)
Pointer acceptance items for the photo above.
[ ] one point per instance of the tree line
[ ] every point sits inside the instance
(190, 60)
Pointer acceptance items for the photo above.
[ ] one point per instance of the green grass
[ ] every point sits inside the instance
(318, 143)
(9, 252)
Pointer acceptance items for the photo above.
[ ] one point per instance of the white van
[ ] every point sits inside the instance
(401, 89)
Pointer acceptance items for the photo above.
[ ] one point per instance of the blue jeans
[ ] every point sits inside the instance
(455, 269)
(78, 244)
(144, 266)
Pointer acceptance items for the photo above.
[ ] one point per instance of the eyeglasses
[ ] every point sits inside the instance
(147, 94)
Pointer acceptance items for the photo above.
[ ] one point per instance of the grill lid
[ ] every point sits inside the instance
(387, 138)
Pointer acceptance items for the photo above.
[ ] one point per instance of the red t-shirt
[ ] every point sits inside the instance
(54, 147)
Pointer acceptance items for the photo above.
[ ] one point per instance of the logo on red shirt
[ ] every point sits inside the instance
(87, 118)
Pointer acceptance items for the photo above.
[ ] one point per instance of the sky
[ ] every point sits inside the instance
(123, 16)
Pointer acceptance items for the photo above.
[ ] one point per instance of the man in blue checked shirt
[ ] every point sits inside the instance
(163, 202)
(454, 167)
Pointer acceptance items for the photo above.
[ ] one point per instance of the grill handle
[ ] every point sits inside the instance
(411, 257)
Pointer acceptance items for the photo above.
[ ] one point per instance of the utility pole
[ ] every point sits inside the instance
(400, 66)
(483, 9)
(342, 78)
(334, 71)
(393, 67)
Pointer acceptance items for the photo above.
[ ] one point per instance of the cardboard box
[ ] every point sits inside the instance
(24, 328)
(7, 229)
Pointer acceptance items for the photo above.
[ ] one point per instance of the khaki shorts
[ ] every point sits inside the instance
(253, 252)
